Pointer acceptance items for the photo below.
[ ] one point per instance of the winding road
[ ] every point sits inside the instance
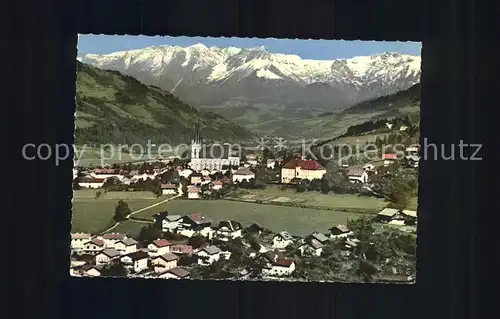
(138, 211)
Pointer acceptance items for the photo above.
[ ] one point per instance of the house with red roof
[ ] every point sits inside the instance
(159, 247)
(389, 158)
(299, 168)
(277, 265)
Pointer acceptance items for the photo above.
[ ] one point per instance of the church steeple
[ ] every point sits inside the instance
(196, 134)
(196, 142)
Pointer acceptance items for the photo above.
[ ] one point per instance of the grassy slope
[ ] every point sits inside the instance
(114, 108)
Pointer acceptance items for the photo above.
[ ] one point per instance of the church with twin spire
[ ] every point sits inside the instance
(211, 157)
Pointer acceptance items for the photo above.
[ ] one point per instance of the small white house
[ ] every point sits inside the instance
(164, 262)
(413, 160)
(270, 163)
(193, 192)
(126, 246)
(217, 185)
(252, 162)
(205, 172)
(396, 216)
(93, 246)
(277, 265)
(78, 240)
(340, 231)
(357, 175)
(91, 182)
(208, 255)
(195, 224)
(185, 172)
(229, 229)
(106, 256)
(412, 150)
(168, 189)
(206, 180)
(282, 240)
(93, 271)
(170, 223)
(243, 173)
(174, 273)
(311, 247)
(313, 244)
(110, 239)
(138, 260)
(159, 247)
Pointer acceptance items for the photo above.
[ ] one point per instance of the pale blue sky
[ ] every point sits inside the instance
(307, 49)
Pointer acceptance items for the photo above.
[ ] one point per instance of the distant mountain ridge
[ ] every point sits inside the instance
(118, 109)
(234, 77)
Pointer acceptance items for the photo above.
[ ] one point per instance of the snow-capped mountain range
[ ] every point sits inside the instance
(223, 77)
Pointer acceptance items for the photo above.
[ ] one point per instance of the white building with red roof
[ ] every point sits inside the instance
(277, 265)
(301, 169)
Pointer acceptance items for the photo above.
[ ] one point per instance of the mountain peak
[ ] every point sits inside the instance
(198, 46)
(352, 80)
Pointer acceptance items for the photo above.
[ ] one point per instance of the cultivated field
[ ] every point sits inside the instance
(297, 221)
(275, 195)
(94, 215)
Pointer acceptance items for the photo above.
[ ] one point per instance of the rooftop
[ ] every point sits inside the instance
(138, 255)
(80, 236)
(161, 243)
(110, 252)
(389, 212)
(243, 171)
(128, 241)
(178, 271)
(303, 164)
(168, 257)
(211, 250)
(230, 224)
(114, 236)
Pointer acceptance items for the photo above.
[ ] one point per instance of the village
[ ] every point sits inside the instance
(199, 248)
(191, 245)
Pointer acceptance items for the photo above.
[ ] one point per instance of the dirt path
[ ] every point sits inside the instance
(138, 211)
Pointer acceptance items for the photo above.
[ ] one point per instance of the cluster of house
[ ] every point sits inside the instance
(95, 178)
(397, 216)
(362, 173)
(160, 258)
